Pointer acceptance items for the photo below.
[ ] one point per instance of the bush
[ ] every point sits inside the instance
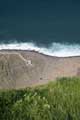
(58, 100)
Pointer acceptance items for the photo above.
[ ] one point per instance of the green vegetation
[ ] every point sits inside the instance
(59, 100)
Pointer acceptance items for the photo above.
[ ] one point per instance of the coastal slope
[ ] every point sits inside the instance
(19, 69)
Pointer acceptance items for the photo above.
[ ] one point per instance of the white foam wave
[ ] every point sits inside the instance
(56, 49)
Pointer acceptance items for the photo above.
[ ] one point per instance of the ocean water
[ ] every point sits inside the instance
(51, 27)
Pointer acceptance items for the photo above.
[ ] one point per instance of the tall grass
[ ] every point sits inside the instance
(58, 100)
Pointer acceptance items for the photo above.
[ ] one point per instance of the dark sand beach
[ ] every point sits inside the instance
(19, 69)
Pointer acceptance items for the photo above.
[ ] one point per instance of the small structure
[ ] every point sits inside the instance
(28, 62)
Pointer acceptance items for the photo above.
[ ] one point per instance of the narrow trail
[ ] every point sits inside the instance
(22, 57)
(27, 62)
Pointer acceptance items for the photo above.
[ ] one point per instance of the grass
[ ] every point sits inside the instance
(59, 100)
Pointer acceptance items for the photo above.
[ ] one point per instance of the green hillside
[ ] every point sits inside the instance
(58, 100)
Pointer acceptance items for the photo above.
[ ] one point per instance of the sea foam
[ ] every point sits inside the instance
(56, 49)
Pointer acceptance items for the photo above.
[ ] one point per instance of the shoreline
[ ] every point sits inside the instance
(35, 51)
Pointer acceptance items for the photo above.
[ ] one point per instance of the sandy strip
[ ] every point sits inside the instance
(19, 69)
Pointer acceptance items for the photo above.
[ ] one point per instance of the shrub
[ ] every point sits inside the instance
(58, 100)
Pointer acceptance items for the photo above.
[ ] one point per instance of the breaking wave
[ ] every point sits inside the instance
(56, 49)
